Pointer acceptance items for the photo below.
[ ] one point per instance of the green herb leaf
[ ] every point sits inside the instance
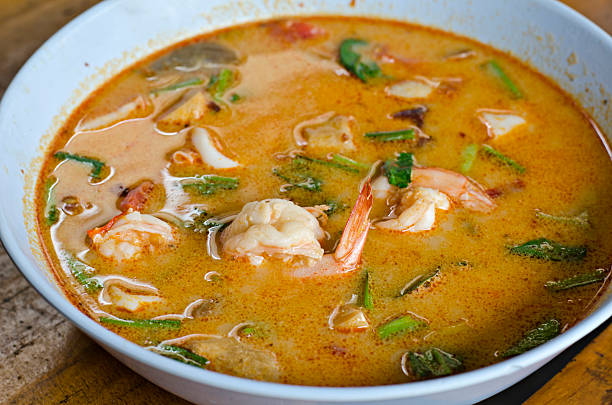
(234, 98)
(468, 156)
(343, 160)
(502, 158)
(327, 163)
(196, 81)
(496, 70)
(433, 363)
(97, 165)
(333, 207)
(581, 219)
(51, 211)
(143, 323)
(543, 333)
(388, 136)
(253, 331)
(400, 325)
(181, 354)
(82, 273)
(368, 301)
(355, 63)
(209, 184)
(399, 171)
(220, 83)
(546, 249)
(298, 178)
(422, 280)
(578, 280)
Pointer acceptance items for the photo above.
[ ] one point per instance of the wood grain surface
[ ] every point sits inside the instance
(45, 360)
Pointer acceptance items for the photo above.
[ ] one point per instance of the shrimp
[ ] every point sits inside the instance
(347, 256)
(459, 188)
(275, 227)
(131, 234)
(417, 210)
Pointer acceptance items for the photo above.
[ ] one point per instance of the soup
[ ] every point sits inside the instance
(330, 201)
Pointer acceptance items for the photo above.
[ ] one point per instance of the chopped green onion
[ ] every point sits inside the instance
(181, 354)
(546, 249)
(388, 136)
(209, 184)
(368, 301)
(502, 158)
(578, 280)
(234, 98)
(51, 211)
(327, 163)
(543, 333)
(143, 323)
(354, 62)
(581, 219)
(468, 156)
(95, 163)
(422, 280)
(82, 273)
(196, 81)
(220, 83)
(343, 160)
(433, 362)
(495, 69)
(399, 171)
(401, 325)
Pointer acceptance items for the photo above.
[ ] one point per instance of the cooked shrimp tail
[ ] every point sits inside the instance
(348, 252)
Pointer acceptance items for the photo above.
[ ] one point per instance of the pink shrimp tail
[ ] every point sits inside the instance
(348, 252)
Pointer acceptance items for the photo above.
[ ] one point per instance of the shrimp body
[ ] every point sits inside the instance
(131, 234)
(347, 256)
(461, 189)
(274, 227)
(417, 210)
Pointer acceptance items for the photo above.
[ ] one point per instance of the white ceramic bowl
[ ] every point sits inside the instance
(114, 34)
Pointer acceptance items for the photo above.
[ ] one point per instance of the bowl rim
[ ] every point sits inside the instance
(269, 389)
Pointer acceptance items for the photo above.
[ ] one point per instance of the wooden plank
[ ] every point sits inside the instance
(587, 379)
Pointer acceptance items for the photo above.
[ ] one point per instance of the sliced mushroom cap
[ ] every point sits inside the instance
(348, 318)
(195, 56)
(230, 356)
(500, 123)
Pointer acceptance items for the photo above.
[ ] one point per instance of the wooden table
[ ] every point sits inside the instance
(45, 360)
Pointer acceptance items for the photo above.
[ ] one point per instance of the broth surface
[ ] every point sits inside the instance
(484, 298)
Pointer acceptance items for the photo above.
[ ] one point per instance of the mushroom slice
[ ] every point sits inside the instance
(184, 114)
(230, 356)
(198, 55)
(499, 122)
(412, 89)
(208, 148)
(348, 318)
(127, 294)
(329, 131)
(137, 108)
